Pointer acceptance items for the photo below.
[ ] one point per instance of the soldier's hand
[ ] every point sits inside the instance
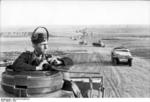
(40, 66)
(55, 59)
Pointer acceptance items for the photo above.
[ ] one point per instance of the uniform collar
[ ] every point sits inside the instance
(36, 53)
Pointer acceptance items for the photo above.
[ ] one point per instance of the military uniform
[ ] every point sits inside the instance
(28, 61)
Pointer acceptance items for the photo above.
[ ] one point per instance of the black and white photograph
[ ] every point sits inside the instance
(74, 49)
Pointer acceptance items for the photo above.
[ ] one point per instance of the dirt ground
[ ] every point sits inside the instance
(119, 81)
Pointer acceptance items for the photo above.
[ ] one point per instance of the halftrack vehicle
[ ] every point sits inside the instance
(121, 54)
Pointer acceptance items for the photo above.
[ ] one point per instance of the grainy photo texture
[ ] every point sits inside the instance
(75, 49)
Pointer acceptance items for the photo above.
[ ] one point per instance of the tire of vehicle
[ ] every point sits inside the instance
(130, 62)
(115, 61)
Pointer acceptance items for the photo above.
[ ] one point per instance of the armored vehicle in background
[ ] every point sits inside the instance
(100, 43)
(121, 54)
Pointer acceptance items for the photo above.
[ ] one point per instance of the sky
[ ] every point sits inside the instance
(28, 13)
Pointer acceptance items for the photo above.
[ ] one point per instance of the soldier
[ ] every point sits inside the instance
(32, 61)
(40, 60)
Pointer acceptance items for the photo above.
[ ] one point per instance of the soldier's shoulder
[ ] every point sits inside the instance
(48, 55)
(27, 53)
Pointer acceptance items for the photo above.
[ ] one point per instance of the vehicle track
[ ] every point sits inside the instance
(110, 84)
(106, 78)
(126, 81)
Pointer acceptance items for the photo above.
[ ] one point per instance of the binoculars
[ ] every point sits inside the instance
(50, 65)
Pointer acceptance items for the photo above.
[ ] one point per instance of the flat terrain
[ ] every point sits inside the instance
(119, 81)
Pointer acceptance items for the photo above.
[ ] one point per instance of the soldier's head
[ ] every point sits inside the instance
(39, 39)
